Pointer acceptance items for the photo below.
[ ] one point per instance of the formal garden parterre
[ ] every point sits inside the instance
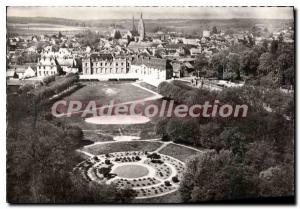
(149, 174)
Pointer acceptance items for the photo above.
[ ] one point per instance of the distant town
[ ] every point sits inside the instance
(138, 54)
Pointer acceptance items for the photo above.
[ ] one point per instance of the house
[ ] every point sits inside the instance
(11, 73)
(195, 51)
(46, 66)
(182, 68)
(21, 72)
(206, 33)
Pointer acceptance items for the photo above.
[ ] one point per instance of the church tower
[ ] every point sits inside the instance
(141, 29)
(134, 32)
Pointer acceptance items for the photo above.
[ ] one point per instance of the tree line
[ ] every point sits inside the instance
(269, 64)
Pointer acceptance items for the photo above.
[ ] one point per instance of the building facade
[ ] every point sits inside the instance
(96, 64)
(151, 68)
(106, 66)
(46, 66)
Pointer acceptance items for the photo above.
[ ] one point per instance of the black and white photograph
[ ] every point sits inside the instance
(150, 104)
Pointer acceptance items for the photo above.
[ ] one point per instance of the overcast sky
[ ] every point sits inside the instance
(153, 12)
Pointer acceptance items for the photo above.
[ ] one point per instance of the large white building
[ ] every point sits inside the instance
(97, 64)
(106, 66)
(46, 66)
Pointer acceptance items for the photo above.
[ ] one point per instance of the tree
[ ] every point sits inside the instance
(201, 64)
(117, 35)
(266, 64)
(214, 30)
(274, 46)
(233, 67)
(183, 130)
(60, 35)
(211, 176)
(289, 75)
(249, 62)
(285, 61)
(277, 181)
(265, 45)
(219, 62)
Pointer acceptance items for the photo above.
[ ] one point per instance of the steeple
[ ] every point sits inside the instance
(133, 27)
(141, 28)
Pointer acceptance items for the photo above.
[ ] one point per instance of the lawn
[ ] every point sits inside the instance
(97, 136)
(178, 152)
(104, 92)
(173, 197)
(131, 171)
(100, 149)
(148, 86)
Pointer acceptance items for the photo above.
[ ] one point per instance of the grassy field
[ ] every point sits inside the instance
(148, 86)
(100, 149)
(173, 197)
(42, 28)
(178, 152)
(104, 92)
(97, 136)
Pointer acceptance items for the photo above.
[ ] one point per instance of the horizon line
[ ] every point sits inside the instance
(266, 18)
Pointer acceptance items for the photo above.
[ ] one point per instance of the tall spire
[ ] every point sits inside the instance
(141, 29)
(133, 26)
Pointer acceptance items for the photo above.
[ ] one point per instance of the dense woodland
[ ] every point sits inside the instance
(249, 157)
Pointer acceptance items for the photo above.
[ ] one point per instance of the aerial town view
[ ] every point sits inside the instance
(150, 105)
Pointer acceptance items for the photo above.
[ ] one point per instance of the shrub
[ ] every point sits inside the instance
(157, 161)
(105, 171)
(49, 79)
(175, 179)
(107, 162)
(153, 156)
(167, 183)
(183, 130)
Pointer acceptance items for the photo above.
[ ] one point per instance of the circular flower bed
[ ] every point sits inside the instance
(149, 174)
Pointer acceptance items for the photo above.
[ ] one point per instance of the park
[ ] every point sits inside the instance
(125, 150)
